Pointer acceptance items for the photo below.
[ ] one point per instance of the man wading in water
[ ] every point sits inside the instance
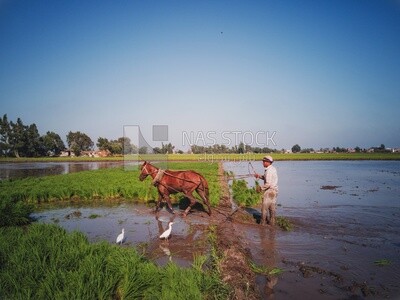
(270, 189)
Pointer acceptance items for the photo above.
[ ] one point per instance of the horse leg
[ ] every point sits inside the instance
(160, 197)
(192, 202)
(166, 197)
(202, 194)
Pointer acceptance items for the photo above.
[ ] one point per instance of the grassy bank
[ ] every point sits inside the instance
(43, 261)
(103, 184)
(216, 157)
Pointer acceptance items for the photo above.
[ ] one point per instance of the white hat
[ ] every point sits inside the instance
(269, 158)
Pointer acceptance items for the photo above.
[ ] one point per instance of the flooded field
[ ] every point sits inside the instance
(345, 242)
(346, 239)
(37, 169)
(142, 229)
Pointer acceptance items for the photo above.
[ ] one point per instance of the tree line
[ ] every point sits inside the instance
(20, 140)
(381, 149)
(241, 148)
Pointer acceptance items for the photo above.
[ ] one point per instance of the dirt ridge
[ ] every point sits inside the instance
(233, 265)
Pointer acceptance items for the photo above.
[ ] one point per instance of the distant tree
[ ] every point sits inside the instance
(339, 150)
(240, 148)
(296, 148)
(23, 140)
(78, 142)
(33, 144)
(307, 150)
(4, 136)
(52, 143)
(120, 146)
(125, 146)
(382, 147)
(103, 143)
(17, 137)
(143, 150)
(116, 147)
(357, 149)
(168, 148)
(157, 150)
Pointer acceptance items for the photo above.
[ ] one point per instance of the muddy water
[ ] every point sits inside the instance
(346, 217)
(142, 229)
(37, 169)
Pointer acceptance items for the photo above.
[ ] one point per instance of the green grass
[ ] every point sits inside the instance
(382, 262)
(103, 184)
(94, 216)
(14, 213)
(43, 261)
(244, 195)
(271, 271)
(284, 223)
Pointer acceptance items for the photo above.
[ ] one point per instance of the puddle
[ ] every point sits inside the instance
(142, 229)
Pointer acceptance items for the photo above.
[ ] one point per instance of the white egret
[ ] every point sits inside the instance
(120, 237)
(167, 233)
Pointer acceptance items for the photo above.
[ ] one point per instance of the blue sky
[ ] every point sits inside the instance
(317, 73)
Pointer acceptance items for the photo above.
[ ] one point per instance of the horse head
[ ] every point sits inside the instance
(145, 170)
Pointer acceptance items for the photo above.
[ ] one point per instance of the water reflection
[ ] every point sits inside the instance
(375, 183)
(142, 229)
(39, 169)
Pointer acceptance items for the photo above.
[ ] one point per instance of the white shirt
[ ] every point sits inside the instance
(270, 178)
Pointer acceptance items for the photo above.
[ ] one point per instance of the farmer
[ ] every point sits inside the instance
(270, 189)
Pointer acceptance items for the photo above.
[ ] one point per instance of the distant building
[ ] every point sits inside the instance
(98, 153)
(67, 153)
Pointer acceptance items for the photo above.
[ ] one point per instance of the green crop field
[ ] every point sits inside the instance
(103, 184)
(43, 261)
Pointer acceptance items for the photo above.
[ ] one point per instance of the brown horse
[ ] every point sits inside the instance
(172, 182)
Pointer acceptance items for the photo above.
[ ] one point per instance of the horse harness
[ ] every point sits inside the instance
(157, 179)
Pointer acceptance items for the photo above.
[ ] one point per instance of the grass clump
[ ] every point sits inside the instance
(382, 262)
(94, 216)
(244, 195)
(284, 223)
(44, 261)
(14, 213)
(271, 271)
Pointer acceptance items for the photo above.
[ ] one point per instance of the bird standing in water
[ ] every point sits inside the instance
(166, 234)
(120, 237)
